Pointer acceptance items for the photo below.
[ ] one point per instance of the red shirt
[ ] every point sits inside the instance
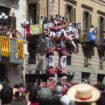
(35, 103)
(62, 52)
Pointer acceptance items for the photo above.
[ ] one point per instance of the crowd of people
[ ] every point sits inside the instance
(10, 32)
(52, 93)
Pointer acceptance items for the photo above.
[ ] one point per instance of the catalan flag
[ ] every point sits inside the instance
(20, 49)
(5, 46)
(13, 53)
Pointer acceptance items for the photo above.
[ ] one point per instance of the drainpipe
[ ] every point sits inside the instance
(47, 8)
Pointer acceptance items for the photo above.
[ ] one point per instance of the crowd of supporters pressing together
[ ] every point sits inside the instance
(52, 93)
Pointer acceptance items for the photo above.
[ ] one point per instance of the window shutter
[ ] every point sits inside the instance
(98, 35)
(90, 19)
(38, 13)
(99, 24)
(104, 24)
(74, 14)
(84, 21)
(11, 21)
(66, 10)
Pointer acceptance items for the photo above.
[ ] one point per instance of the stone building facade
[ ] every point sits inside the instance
(15, 10)
(86, 12)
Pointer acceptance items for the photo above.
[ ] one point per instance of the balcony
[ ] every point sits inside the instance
(102, 2)
(31, 1)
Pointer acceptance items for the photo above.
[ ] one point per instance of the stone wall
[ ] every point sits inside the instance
(13, 71)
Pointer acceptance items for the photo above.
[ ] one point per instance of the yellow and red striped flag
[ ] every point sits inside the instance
(5, 46)
(20, 49)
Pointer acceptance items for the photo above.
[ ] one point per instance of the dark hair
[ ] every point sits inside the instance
(16, 86)
(17, 95)
(33, 94)
(6, 95)
(21, 85)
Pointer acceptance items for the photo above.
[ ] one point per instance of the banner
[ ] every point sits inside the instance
(27, 31)
(0, 48)
(36, 29)
(5, 46)
(13, 52)
(20, 49)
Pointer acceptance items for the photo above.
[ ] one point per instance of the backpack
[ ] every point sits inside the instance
(92, 37)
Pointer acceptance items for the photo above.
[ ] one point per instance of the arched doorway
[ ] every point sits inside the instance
(2, 72)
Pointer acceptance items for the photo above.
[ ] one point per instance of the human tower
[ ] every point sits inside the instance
(57, 32)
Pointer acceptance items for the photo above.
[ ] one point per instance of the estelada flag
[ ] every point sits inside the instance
(20, 49)
(5, 46)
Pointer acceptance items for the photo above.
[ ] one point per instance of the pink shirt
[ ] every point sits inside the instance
(58, 28)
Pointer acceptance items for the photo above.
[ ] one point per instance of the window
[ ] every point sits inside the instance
(100, 78)
(85, 77)
(86, 62)
(32, 53)
(5, 10)
(69, 60)
(86, 20)
(32, 13)
(70, 13)
(101, 25)
(69, 50)
(11, 21)
(101, 64)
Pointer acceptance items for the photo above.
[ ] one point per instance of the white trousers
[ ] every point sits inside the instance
(74, 44)
(51, 61)
(48, 42)
(59, 33)
(62, 61)
(71, 41)
(62, 44)
(52, 34)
